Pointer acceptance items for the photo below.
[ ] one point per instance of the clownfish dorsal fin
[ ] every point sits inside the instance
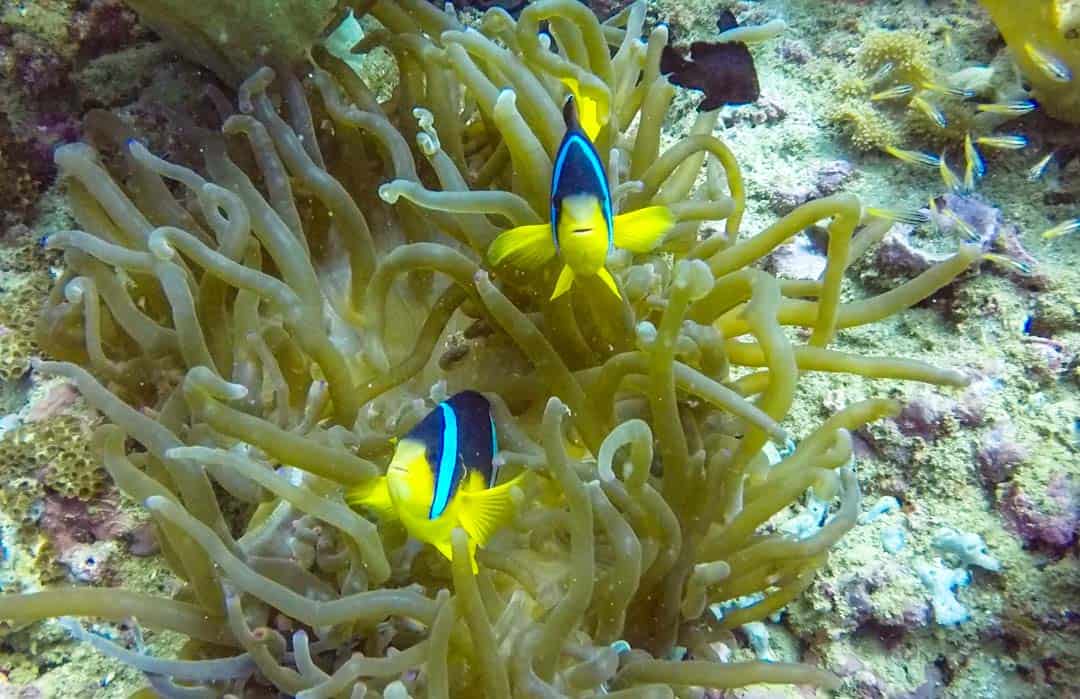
(582, 112)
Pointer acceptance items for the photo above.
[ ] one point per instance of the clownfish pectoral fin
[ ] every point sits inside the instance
(525, 247)
(642, 230)
(605, 276)
(373, 495)
(564, 282)
(482, 512)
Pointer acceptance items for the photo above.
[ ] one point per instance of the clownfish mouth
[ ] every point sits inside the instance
(582, 230)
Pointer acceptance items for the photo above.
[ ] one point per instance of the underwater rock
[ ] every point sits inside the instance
(928, 415)
(987, 225)
(38, 68)
(103, 27)
(1047, 360)
(141, 541)
(999, 454)
(794, 51)
(28, 171)
(1052, 525)
(1054, 313)
(899, 254)
(827, 178)
(768, 109)
(88, 563)
(802, 258)
(70, 522)
(56, 400)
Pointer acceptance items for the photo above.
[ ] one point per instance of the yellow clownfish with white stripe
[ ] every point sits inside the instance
(583, 229)
(442, 476)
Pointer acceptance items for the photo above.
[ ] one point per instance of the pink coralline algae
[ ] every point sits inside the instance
(83, 535)
(853, 599)
(999, 454)
(794, 51)
(55, 401)
(1047, 360)
(768, 109)
(905, 251)
(26, 161)
(932, 415)
(990, 231)
(860, 677)
(1052, 525)
(37, 67)
(102, 27)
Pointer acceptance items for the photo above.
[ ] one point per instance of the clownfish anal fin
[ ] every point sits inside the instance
(524, 247)
(447, 550)
(609, 281)
(642, 230)
(564, 282)
(373, 495)
(483, 512)
(444, 548)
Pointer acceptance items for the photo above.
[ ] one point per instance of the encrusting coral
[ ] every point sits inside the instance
(261, 330)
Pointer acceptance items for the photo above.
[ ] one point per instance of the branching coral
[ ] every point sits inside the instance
(268, 329)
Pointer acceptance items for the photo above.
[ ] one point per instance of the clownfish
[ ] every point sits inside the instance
(583, 229)
(442, 476)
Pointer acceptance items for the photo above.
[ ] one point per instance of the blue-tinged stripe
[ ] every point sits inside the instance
(598, 172)
(494, 451)
(447, 462)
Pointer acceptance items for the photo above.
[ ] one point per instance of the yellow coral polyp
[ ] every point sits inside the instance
(867, 128)
(1048, 27)
(907, 51)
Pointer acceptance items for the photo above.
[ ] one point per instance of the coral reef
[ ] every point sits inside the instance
(255, 331)
(23, 263)
(996, 459)
(48, 456)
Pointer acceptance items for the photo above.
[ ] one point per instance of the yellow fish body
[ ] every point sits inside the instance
(442, 476)
(582, 229)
